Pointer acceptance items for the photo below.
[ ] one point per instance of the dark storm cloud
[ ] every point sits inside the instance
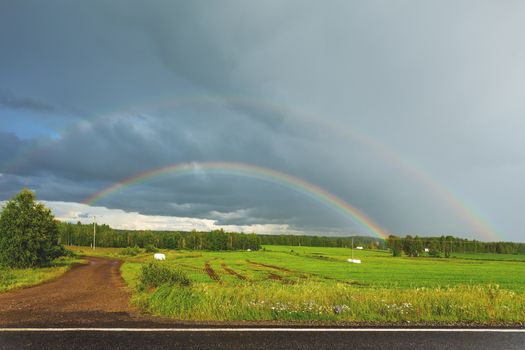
(439, 84)
(9, 100)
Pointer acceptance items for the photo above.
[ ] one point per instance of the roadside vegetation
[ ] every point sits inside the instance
(29, 248)
(18, 278)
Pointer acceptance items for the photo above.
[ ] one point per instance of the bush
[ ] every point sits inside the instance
(130, 251)
(434, 253)
(150, 248)
(28, 233)
(154, 274)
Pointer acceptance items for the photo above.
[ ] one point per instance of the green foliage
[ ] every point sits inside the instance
(154, 274)
(150, 248)
(28, 233)
(412, 246)
(129, 251)
(395, 244)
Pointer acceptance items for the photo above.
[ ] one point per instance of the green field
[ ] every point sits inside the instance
(309, 284)
(19, 278)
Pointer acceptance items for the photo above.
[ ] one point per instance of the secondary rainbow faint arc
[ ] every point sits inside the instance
(437, 187)
(249, 170)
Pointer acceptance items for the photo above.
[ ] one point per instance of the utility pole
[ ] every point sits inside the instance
(94, 231)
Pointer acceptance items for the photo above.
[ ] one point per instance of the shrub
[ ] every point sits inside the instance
(130, 251)
(28, 233)
(154, 274)
(150, 248)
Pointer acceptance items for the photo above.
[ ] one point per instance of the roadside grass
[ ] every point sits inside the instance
(18, 278)
(102, 252)
(317, 285)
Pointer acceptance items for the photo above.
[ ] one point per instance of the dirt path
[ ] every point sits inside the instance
(94, 292)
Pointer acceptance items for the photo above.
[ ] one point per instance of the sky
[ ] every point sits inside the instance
(412, 112)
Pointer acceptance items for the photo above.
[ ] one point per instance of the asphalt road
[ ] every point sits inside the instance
(311, 339)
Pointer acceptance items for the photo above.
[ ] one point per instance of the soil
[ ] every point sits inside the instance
(211, 272)
(233, 272)
(269, 266)
(88, 293)
(275, 277)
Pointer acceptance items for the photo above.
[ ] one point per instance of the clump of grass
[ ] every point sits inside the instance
(129, 251)
(6, 277)
(154, 274)
(150, 248)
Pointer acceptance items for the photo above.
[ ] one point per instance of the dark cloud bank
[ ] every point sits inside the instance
(284, 85)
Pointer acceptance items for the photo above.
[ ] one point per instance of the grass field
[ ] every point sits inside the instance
(309, 284)
(18, 278)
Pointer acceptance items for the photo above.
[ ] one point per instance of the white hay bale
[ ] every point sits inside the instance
(159, 256)
(354, 261)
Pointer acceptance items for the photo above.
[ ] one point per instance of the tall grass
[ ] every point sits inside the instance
(155, 274)
(313, 301)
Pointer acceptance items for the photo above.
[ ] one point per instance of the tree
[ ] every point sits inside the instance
(395, 244)
(28, 233)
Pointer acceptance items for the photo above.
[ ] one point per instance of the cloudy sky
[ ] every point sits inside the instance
(410, 111)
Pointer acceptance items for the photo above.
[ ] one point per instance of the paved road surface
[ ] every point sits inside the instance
(94, 295)
(262, 340)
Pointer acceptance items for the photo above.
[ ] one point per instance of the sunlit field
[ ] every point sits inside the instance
(310, 284)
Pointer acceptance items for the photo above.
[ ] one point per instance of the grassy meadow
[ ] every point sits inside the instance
(19, 278)
(318, 285)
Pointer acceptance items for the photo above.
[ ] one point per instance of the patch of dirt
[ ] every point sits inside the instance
(233, 272)
(269, 266)
(276, 277)
(299, 274)
(94, 288)
(211, 272)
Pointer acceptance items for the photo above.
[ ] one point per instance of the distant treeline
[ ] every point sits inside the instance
(324, 241)
(446, 245)
(82, 235)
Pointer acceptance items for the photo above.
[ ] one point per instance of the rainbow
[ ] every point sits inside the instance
(253, 171)
(439, 189)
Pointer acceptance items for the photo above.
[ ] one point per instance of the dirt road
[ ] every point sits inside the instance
(94, 293)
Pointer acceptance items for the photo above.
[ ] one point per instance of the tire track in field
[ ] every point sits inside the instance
(211, 272)
(279, 268)
(269, 266)
(274, 276)
(233, 272)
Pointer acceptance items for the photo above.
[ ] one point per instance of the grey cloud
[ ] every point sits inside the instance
(437, 83)
(9, 100)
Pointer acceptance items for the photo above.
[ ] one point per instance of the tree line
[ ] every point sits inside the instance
(82, 235)
(444, 246)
